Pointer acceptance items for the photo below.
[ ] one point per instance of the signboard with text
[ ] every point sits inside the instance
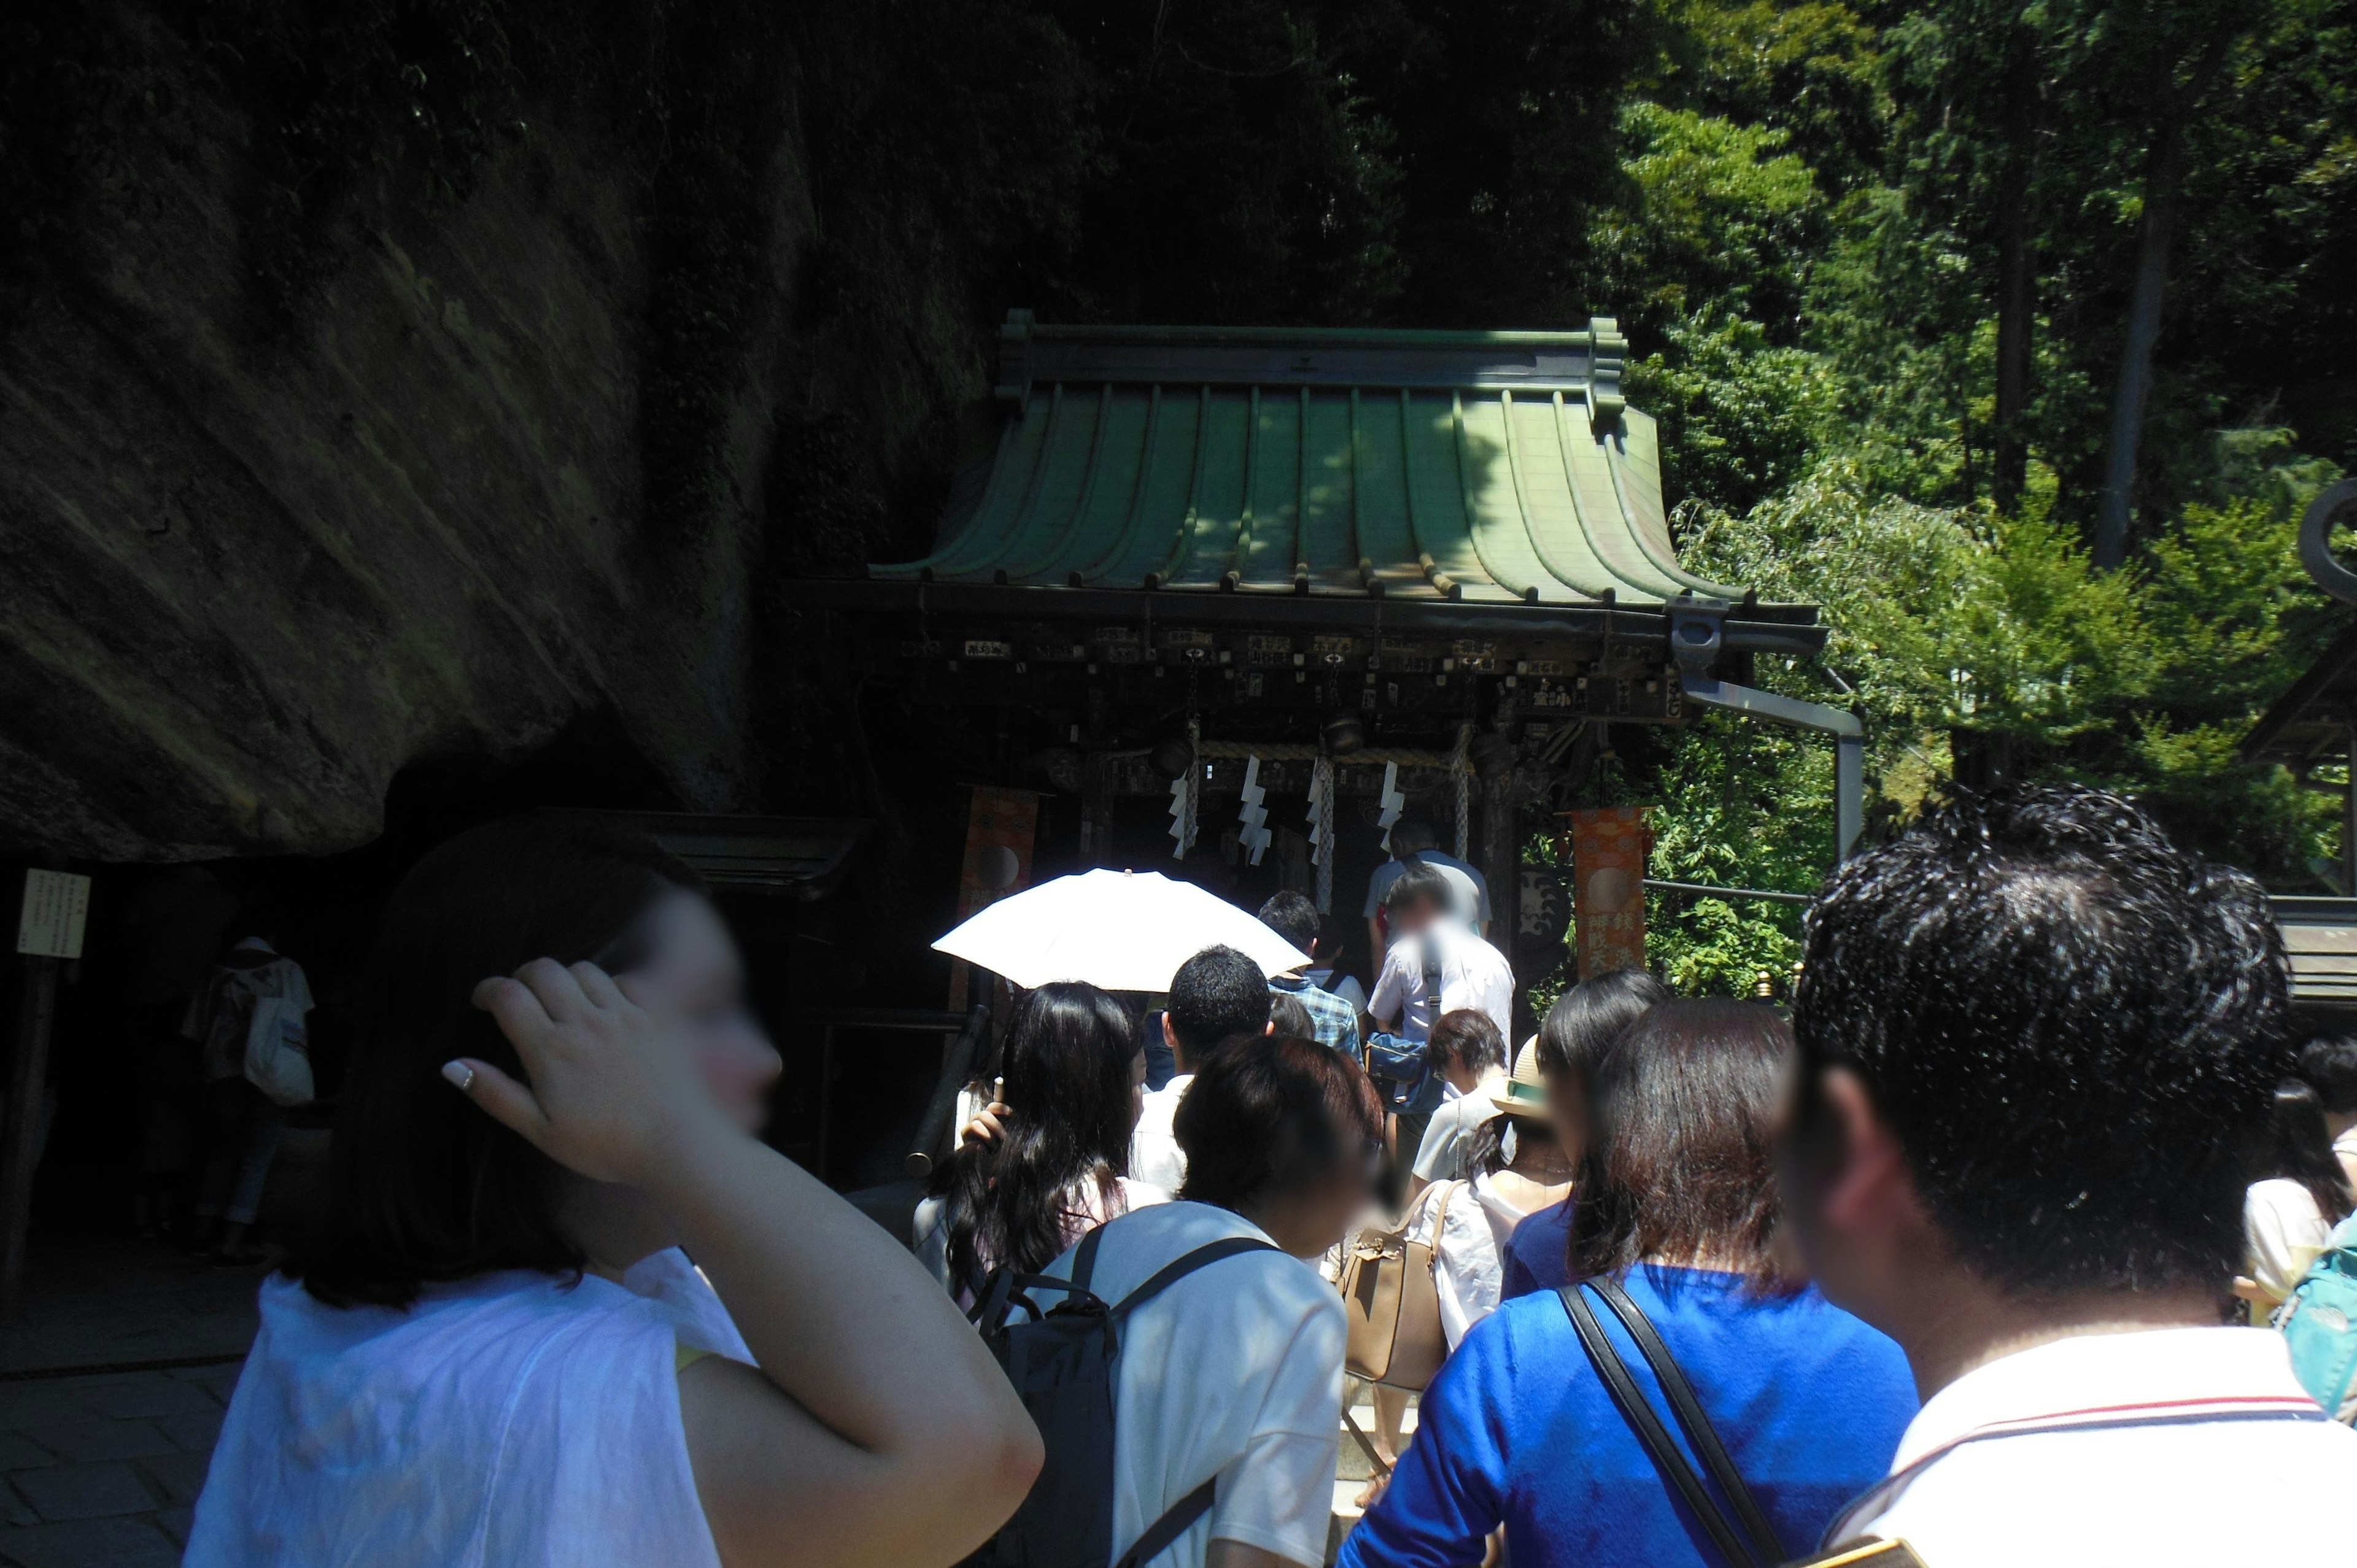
(56, 907)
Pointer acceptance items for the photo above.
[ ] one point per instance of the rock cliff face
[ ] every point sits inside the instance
(254, 563)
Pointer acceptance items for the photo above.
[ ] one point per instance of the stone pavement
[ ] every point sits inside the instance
(101, 1470)
(101, 1456)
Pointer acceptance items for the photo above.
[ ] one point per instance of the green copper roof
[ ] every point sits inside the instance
(1501, 467)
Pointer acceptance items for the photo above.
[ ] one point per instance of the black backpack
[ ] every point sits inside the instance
(1060, 1363)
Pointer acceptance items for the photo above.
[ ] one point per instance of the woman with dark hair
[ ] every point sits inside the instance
(1231, 1374)
(1678, 1206)
(1579, 1032)
(2289, 1212)
(496, 1350)
(1073, 1073)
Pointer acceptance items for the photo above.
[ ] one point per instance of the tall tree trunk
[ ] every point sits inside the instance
(2017, 293)
(2163, 173)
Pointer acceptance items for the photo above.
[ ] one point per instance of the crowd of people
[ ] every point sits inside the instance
(1946, 1258)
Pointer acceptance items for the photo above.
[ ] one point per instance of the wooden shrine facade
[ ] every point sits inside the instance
(1199, 545)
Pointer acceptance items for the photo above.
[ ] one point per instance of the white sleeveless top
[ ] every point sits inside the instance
(511, 1419)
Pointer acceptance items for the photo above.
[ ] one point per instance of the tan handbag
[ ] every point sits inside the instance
(1392, 1291)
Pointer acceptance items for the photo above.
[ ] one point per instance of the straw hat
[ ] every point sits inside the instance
(1525, 1091)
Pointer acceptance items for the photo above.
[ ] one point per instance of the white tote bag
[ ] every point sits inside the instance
(277, 1052)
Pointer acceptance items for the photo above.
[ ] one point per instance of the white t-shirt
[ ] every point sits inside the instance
(1469, 1251)
(2177, 1449)
(1441, 1155)
(1234, 1371)
(1472, 975)
(2283, 1232)
(1085, 1208)
(514, 1417)
(1155, 1156)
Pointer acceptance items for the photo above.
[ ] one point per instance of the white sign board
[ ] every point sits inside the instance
(57, 906)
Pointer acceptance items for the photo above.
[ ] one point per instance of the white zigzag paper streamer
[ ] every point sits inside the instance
(1253, 814)
(1182, 826)
(1321, 833)
(1394, 803)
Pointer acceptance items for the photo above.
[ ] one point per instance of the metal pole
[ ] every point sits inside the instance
(1849, 789)
(2349, 813)
(1849, 742)
(36, 1007)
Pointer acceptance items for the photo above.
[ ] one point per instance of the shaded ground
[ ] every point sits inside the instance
(102, 1466)
(95, 1300)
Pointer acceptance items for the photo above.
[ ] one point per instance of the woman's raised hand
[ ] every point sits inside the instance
(609, 1091)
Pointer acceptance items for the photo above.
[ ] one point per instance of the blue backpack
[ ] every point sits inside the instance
(1060, 1363)
(1403, 1067)
(2320, 1324)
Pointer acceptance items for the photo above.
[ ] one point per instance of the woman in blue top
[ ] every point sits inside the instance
(1678, 1202)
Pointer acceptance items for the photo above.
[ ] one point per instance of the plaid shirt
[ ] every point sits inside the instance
(1335, 1021)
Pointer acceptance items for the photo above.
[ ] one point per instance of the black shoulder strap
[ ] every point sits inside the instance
(1170, 1526)
(1691, 1417)
(1651, 1432)
(1172, 1272)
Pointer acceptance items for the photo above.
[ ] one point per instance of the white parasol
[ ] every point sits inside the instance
(1125, 930)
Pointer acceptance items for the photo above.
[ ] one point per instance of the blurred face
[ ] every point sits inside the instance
(1849, 1198)
(694, 980)
(1566, 1102)
(1136, 1088)
(1326, 1214)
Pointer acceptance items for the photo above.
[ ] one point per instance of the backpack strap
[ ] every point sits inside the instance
(1691, 1417)
(1170, 1526)
(1183, 1513)
(1084, 1260)
(1651, 1433)
(1172, 1272)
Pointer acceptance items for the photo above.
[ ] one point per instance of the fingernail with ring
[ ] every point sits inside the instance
(459, 1074)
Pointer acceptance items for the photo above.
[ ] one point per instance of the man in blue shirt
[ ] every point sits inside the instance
(1335, 1021)
(1413, 840)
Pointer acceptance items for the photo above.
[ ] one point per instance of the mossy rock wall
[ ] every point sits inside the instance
(261, 549)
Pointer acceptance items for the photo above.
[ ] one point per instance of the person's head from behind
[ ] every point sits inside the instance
(2328, 1066)
(1289, 1015)
(1416, 897)
(1217, 993)
(1295, 917)
(1285, 1131)
(1074, 1071)
(1579, 1032)
(1466, 1046)
(1412, 835)
(1333, 942)
(2039, 1044)
(427, 1188)
(2299, 1148)
(1680, 1164)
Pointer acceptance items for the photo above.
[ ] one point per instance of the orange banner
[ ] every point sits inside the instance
(1609, 845)
(998, 839)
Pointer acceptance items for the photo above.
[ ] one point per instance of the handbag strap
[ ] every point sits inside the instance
(1651, 1433)
(1691, 1417)
(1170, 1526)
(1440, 1222)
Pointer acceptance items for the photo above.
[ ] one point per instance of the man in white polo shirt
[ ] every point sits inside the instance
(2037, 1040)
